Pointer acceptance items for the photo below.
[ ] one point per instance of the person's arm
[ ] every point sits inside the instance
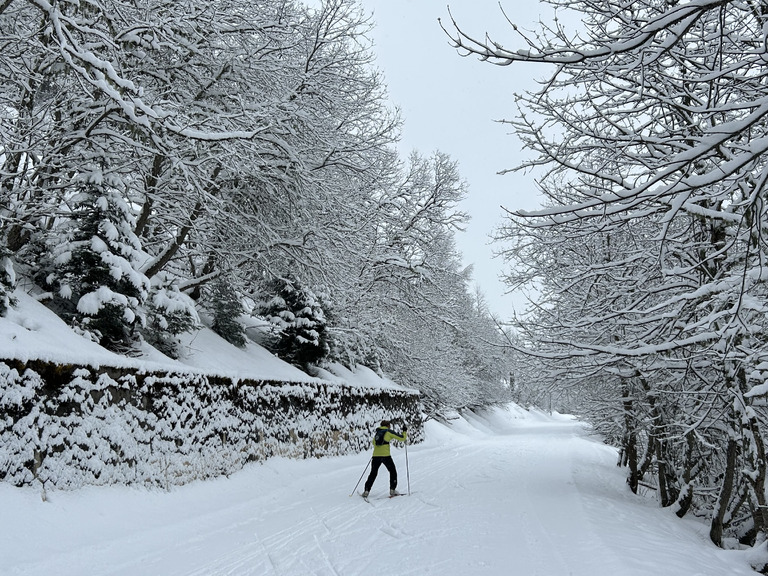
(390, 435)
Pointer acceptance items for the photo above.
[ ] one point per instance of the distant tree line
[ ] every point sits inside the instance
(166, 162)
(649, 256)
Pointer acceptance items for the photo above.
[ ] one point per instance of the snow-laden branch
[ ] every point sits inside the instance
(672, 23)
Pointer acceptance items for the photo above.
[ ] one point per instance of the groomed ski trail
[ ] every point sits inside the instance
(490, 495)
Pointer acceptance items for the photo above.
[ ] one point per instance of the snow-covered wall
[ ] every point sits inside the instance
(65, 426)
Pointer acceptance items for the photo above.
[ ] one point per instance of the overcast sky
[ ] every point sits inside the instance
(450, 103)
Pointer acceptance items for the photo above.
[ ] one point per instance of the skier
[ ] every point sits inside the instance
(381, 456)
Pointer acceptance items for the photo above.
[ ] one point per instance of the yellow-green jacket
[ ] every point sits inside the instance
(389, 435)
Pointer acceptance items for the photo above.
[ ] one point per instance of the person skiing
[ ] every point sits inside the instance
(381, 456)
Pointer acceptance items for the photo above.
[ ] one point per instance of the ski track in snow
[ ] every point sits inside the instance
(489, 496)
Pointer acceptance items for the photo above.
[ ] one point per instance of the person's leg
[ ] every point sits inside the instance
(390, 464)
(375, 464)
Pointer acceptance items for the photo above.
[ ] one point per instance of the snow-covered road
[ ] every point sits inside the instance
(506, 493)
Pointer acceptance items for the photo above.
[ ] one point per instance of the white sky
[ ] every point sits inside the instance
(450, 103)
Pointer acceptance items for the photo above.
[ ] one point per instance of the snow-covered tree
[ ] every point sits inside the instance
(245, 141)
(300, 112)
(94, 256)
(650, 247)
(170, 312)
(227, 309)
(409, 311)
(299, 321)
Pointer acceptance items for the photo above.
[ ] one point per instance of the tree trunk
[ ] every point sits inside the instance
(685, 498)
(629, 449)
(667, 492)
(757, 479)
(726, 491)
(661, 468)
(150, 189)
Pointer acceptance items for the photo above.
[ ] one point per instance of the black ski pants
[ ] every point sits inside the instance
(376, 463)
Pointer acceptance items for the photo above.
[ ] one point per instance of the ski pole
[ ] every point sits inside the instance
(361, 476)
(407, 472)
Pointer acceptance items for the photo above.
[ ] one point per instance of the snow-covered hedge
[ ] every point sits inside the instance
(69, 426)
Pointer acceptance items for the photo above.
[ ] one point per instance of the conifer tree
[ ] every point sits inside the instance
(169, 313)
(299, 321)
(98, 289)
(227, 308)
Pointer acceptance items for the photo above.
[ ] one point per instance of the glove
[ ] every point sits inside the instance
(405, 428)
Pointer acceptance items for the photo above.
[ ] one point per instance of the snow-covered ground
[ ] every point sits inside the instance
(30, 331)
(508, 492)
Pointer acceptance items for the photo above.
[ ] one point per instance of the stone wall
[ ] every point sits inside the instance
(64, 426)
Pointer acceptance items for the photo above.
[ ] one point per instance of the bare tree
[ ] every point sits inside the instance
(652, 130)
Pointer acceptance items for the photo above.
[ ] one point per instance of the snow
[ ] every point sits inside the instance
(31, 331)
(207, 351)
(758, 390)
(501, 492)
(92, 302)
(362, 376)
